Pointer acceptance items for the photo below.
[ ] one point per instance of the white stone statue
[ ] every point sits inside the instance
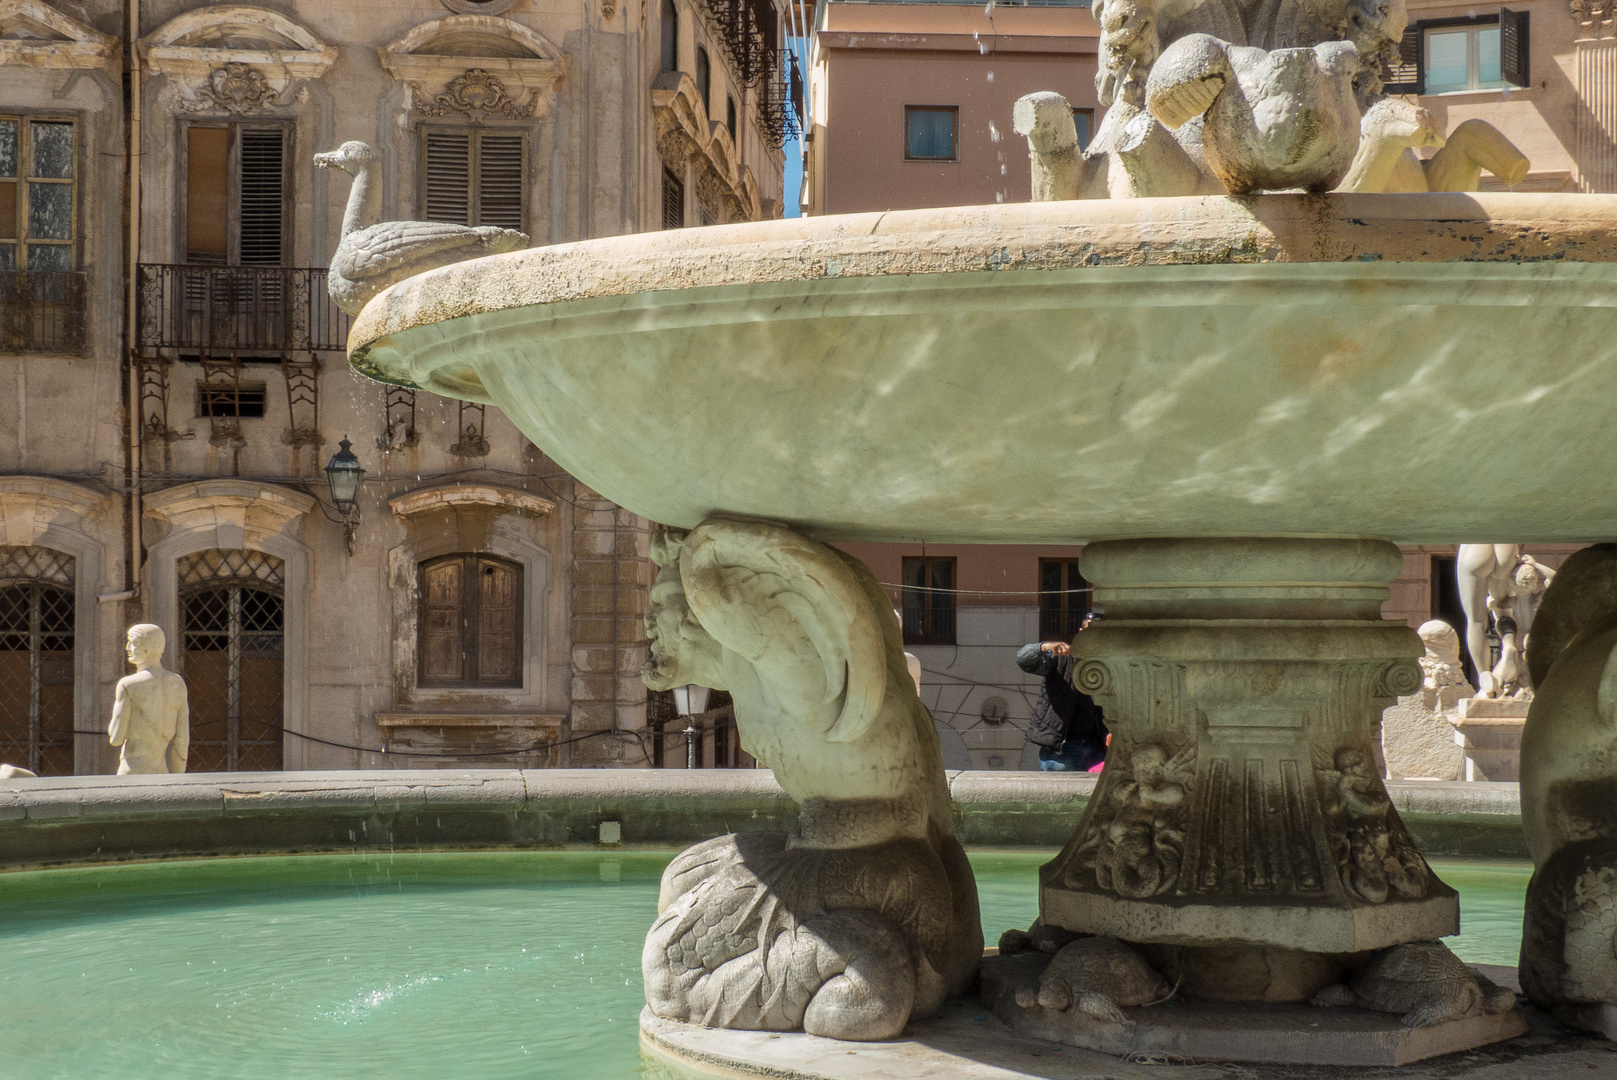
(866, 913)
(151, 714)
(371, 257)
(1219, 96)
(1498, 579)
(1418, 736)
(1569, 794)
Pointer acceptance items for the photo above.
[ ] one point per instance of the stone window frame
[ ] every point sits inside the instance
(37, 511)
(22, 179)
(239, 515)
(422, 544)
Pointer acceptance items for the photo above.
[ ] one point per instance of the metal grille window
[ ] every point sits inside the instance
(38, 203)
(236, 185)
(474, 177)
(36, 659)
(929, 607)
(470, 622)
(233, 617)
(1063, 599)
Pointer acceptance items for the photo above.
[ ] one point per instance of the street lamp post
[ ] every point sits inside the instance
(688, 701)
(343, 474)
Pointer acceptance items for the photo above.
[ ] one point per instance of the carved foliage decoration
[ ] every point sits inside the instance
(235, 88)
(477, 94)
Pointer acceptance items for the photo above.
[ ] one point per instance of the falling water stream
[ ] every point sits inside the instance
(488, 965)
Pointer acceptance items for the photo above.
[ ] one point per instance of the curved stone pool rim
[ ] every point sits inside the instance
(53, 821)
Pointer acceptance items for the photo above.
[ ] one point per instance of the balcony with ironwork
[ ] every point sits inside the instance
(42, 311)
(246, 312)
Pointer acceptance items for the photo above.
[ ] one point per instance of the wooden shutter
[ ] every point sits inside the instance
(207, 195)
(442, 634)
(448, 172)
(263, 196)
(1408, 75)
(1513, 45)
(499, 624)
(499, 180)
(673, 201)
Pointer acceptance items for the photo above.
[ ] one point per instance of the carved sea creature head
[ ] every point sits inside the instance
(350, 157)
(681, 652)
(814, 626)
(1374, 25)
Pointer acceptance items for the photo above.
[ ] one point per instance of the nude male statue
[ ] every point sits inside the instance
(151, 716)
(1498, 578)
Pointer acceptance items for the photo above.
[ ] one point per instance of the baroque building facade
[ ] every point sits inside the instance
(174, 380)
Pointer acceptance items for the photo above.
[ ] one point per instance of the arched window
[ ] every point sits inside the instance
(704, 79)
(730, 116)
(36, 659)
(670, 36)
(232, 624)
(470, 629)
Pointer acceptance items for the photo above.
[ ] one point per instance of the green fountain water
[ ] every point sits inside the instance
(509, 965)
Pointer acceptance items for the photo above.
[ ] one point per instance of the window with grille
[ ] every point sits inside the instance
(1063, 599)
(233, 625)
(38, 196)
(235, 195)
(474, 177)
(36, 659)
(929, 608)
(673, 201)
(470, 626)
(245, 400)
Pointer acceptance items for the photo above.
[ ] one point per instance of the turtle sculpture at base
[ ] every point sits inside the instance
(1100, 976)
(1424, 982)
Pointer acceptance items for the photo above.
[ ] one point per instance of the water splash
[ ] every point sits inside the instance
(993, 131)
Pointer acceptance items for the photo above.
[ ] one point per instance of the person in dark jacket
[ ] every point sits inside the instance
(1068, 727)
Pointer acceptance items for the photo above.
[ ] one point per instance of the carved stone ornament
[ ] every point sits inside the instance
(1240, 799)
(235, 88)
(866, 915)
(477, 94)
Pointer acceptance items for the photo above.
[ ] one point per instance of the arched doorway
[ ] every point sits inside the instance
(233, 619)
(36, 659)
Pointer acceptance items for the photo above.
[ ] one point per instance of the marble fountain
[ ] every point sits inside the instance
(1239, 347)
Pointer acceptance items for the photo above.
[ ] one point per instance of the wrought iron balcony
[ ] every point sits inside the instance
(42, 311)
(236, 310)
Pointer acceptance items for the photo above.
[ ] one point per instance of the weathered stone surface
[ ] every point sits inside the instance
(1242, 680)
(866, 914)
(1337, 301)
(1418, 738)
(1215, 1031)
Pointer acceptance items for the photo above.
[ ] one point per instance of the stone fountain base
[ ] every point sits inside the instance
(1280, 1034)
(967, 1042)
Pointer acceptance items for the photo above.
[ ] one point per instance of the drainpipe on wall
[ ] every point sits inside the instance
(132, 158)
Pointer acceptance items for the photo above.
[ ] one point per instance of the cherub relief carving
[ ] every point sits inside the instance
(866, 914)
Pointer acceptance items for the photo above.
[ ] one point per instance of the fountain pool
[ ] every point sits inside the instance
(510, 964)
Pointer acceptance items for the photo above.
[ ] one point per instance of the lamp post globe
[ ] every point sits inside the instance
(343, 474)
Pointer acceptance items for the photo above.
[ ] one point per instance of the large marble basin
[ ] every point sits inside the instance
(1425, 368)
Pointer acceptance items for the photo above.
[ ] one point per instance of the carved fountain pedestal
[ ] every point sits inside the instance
(1241, 803)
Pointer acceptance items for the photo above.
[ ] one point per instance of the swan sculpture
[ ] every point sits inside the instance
(370, 258)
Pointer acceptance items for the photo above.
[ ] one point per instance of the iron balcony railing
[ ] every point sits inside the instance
(42, 311)
(218, 310)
